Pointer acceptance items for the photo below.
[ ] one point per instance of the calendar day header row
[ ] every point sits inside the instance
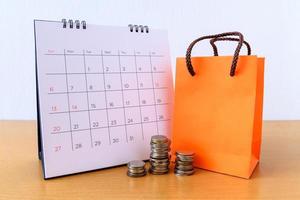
(104, 52)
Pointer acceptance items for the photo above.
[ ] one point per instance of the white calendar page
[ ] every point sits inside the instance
(102, 93)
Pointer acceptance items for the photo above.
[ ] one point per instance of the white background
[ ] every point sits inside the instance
(271, 27)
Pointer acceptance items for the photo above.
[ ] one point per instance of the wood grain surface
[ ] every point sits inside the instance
(276, 177)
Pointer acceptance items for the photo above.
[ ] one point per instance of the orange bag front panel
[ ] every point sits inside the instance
(217, 116)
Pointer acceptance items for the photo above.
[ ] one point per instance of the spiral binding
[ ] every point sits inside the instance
(138, 28)
(70, 24)
(78, 24)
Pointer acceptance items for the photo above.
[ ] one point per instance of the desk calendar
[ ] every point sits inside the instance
(102, 92)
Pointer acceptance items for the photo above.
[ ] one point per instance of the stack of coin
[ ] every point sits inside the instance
(184, 163)
(159, 157)
(136, 168)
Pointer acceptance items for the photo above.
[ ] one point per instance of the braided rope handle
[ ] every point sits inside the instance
(235, 56)
(212, 42)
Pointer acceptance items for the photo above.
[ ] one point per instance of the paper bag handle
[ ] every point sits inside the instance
(235, 56)
(212, 42)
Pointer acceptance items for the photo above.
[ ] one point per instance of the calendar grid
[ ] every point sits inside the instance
(95, 54)
(157, 88)
(108, 129)
(103, 127)
(152, 79)
(95, 109)
(68, 98)
(87, 97)
(139, 97)
(105, 72)
(119, 60)
(78, 73)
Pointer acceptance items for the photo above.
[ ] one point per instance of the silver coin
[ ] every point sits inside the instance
(158, 172)
(160, 145)
(185, 158)
(179, 162)
(159, 139)
(184, 173)
(160, 152)
(162, 170)
(152, 171)
(159, 167)
(133, 167)
(136, 164)
(159, 155)
(182, 156)
(160, 148)
(136, 171)
(160, 164)
(185, 153)
(184, 167)
(159, 160)
(136, 175)
(163, 147)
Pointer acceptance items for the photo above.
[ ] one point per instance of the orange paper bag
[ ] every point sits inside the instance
(218, 109)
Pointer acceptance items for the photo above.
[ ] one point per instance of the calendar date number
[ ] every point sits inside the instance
(78, 146)
(115, 140)
(57, 148)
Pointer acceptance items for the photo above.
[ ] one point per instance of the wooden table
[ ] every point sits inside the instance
(277, 176)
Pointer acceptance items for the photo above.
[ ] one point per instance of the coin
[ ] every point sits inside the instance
(155, 149)
(184, 173)
(159, 160)
(136, 168)
(159, 156)
(184, 167)
(136, 163)
(155, 164)
(184, 163)
(160, 148)
(185, 158)
(157, 172)
(160, 145)
(136, 171)
(185, 153)
(136, 175)
(159, 139)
